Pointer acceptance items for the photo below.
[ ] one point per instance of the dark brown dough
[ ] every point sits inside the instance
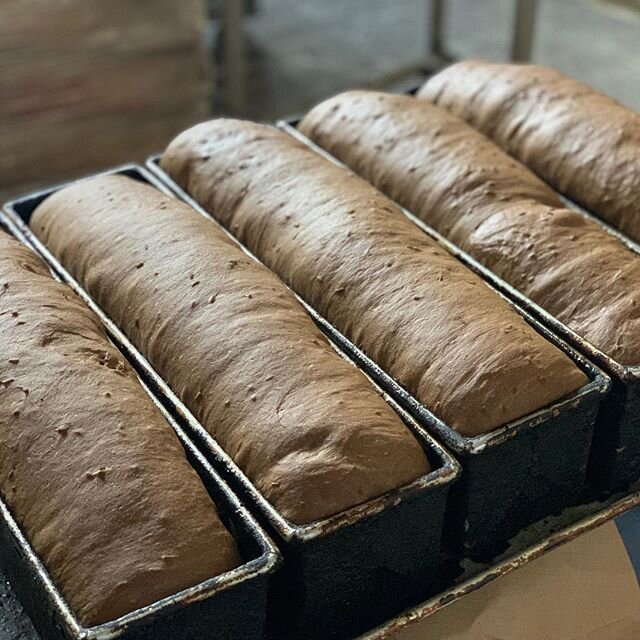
(89, 467)
(465, 187)
(582, 142)
(349, 251)
(232, 341)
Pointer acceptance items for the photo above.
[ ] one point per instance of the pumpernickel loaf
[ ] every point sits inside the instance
(465, 187)
(235, 345)
(90, 469)
(582, 142)
(350, 252)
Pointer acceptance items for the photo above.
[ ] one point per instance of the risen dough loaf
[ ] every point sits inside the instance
(235, 345)
(349, 251)
(90, 469)
(582, 142)
(464, 186)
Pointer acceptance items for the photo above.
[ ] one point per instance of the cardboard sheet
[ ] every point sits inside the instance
(584, 590)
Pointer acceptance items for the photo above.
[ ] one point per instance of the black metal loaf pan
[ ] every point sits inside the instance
(615, 456)
(341, 575)
(615, 462)
(511, 477)
(230, 606)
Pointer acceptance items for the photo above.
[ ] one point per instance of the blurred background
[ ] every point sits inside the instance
(86, 84)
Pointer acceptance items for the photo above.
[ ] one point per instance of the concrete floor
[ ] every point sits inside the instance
(304, 50)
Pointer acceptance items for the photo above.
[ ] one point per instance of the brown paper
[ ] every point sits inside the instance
(584, 590)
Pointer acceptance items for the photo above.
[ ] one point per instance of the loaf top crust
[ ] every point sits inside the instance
(349, 251)
(468, 189)
(90, 469)
(582, 142)
(235, 345)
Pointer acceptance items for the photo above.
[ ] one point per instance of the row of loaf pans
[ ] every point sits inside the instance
(615, 462)
(353, 570)
(615, 455)
(513, 476)
(340, 575)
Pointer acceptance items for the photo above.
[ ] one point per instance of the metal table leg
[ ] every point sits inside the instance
(523, 30)
(437, 54)
(234, 57)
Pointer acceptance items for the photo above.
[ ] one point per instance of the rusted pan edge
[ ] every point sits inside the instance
(627, 241)
(439, 602)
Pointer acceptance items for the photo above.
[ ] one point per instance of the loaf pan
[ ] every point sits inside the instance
(230, 606)
(511, 477)
(343, 574)
(616, 463)
(615, 456)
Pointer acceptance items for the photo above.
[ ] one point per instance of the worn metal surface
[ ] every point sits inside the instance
(489, 504)
(404, 554)
(14, 622)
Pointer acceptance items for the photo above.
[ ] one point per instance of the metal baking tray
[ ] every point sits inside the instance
(512, 476)
(615, 458)
(234, 604)
(528, 546)
(343, 574)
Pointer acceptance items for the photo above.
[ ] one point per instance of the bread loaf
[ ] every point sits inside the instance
(582, 142)
(235, 345)
(90, 469)
(465, 187)
(350, 252)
